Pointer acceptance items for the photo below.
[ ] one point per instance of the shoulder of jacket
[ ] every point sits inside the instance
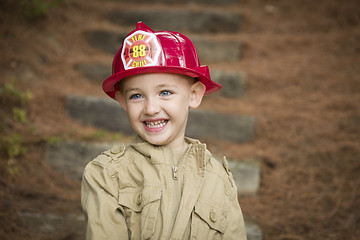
(111, 159)
(113, 154)
(215, 165)
(121, 154)
(230, 177)
(116, 151)
(221, 166)
(223, 170)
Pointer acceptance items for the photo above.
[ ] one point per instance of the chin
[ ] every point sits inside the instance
(157, 142)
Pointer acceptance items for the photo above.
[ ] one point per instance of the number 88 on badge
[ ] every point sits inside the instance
(141, 49)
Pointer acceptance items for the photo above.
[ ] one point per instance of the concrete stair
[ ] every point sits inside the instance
(177, 19)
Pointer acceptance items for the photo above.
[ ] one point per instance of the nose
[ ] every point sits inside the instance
(152, 107)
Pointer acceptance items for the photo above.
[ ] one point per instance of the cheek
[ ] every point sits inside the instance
(133, 111)
(178, 108)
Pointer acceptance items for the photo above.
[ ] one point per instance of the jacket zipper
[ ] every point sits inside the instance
(175, 172)
(175, 169)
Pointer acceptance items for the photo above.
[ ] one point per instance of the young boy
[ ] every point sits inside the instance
(165, 185)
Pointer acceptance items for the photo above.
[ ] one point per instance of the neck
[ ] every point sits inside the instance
(180, 147)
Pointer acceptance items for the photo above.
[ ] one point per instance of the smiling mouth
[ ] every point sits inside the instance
(156, 124)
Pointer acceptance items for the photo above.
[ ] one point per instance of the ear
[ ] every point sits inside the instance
(120, 98)
(197, 92)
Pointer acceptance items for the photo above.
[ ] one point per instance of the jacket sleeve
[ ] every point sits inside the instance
(236, 229)
(99, 189)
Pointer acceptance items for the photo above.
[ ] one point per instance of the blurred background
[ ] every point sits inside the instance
(288, 117)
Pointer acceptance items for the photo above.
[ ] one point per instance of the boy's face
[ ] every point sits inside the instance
(157, 106)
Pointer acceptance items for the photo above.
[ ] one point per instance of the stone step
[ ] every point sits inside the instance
(57, 226)
(209, 50)
(107, 114)
(94, 72)
(246, 176)
(214, 50)
(73, 226)
(176, 19)
(229, 127)
(71, 157)
(234, 83)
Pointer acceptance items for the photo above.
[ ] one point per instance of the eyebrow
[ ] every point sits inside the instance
(136, 89)
(167, 86)
(131, 90)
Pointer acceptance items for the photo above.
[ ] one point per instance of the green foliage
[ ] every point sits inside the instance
(10, 90)
(19, 114)
(17, 99)
(12, 144)
(38, 8)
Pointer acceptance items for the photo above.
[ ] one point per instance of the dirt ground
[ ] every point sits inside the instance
(302, 60)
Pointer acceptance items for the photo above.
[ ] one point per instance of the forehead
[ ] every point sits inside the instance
(156, 79)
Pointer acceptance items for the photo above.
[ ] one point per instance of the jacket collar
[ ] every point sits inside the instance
(164, 155)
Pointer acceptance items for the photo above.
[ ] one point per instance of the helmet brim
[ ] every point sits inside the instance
(201, 73)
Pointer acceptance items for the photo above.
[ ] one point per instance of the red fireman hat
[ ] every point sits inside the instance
(147, 51)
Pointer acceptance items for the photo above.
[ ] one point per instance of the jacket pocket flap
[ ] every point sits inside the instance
(213, 216)
(137, 198)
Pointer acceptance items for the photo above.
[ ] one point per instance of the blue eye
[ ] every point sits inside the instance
(165, 93)
(135, 96)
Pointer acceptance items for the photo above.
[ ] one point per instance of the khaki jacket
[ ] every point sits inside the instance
(139, 192)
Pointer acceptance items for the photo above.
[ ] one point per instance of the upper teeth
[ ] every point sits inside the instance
(156, 124)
